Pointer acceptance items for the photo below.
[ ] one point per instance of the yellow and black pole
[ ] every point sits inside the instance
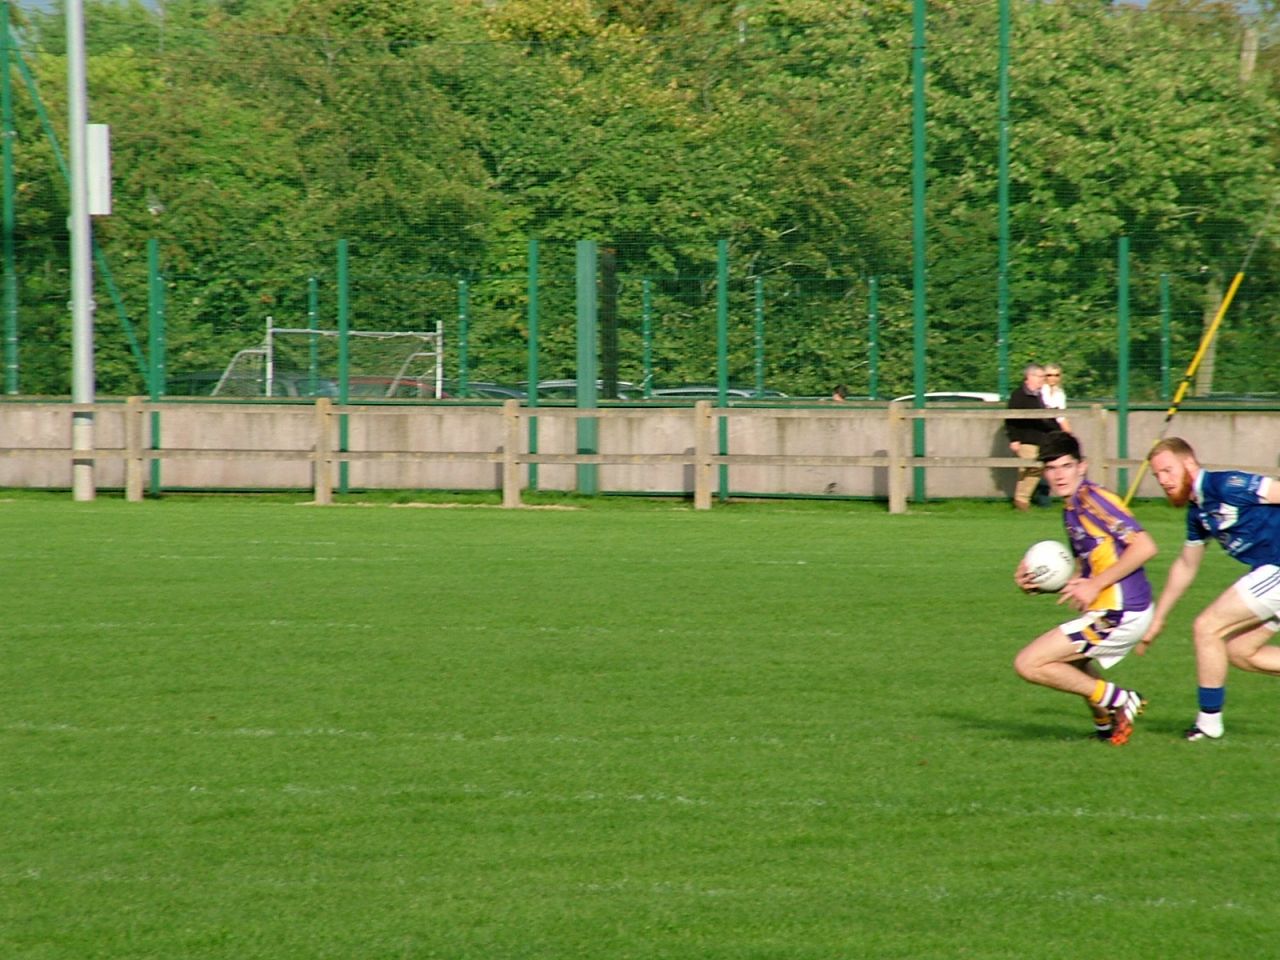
(1205, 342)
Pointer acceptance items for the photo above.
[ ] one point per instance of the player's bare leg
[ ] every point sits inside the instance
(1226, 623)
(1051, 660)
(1253, 650)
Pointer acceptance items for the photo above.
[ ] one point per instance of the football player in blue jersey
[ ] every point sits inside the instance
(1240, 511)
(1110, 593)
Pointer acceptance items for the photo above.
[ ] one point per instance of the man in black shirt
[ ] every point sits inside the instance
(1025, 436)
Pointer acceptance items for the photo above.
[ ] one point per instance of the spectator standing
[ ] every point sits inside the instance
(1026, 435)
(1054, 396)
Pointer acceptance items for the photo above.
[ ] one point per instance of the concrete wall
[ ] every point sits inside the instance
(1248, 439)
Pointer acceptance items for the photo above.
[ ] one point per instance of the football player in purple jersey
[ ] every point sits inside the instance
(1239, 510)
(1110, 593)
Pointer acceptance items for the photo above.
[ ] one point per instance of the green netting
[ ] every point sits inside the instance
(438, 139)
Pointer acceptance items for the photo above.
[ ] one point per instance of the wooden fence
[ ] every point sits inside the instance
(325, 454)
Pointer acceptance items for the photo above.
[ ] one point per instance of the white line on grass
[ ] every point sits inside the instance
(863, 807)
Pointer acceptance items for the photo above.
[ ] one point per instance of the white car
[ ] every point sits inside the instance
(952, 396)
(711, 392)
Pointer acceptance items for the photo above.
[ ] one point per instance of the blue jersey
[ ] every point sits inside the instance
(1101, 529)
(1230, 506)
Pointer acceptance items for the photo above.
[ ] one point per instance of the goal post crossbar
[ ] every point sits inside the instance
(422, 351)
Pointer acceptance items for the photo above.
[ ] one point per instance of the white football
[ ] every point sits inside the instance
(1050, 564)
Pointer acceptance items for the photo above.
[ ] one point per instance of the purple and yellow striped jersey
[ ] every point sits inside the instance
(1101, 528)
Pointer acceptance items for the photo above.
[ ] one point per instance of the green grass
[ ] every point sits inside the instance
(253, 729)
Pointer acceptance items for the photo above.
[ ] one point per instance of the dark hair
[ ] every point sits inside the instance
(1059, 444)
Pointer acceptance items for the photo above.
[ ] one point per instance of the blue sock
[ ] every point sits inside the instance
(1212, 699)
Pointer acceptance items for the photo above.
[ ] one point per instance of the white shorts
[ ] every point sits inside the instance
(1107, 635)
(1260, 591)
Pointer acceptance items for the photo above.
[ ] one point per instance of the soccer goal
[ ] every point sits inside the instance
(303, 362)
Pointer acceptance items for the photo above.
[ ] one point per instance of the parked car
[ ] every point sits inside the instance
(390, 388)
(484, 390)
(952, 396)
(697, 391)
(568, 390)
(206, 383)
(199, 383)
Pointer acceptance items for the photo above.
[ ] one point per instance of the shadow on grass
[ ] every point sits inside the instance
(1010, 726)
(1066, 725)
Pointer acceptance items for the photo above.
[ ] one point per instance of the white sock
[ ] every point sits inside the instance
(1210, 724)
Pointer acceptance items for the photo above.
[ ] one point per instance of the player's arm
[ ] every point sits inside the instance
(1081, 593)
(1270, 492)
(1182, 573)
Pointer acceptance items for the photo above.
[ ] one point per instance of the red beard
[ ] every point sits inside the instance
(1180, 496)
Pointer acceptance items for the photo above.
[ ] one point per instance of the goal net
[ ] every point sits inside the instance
(300, 362)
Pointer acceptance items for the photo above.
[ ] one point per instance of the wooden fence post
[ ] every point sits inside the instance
(133, 449)
(511, 454)
(703, 425)
(322, 464)
(898, 428)
(1103, 455)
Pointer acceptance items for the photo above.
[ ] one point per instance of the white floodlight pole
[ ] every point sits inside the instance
(82, 365)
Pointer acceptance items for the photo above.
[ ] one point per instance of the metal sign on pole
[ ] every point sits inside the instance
(98, 169)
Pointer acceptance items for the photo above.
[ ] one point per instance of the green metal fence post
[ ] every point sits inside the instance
(156, 350)
(759, 339)
(1165, 342)
(464, 335)
(10, 268)
(587, 393)
(1122, 365)
(344, 358)
(873, 337)
(646, 335)
(532, 398)
(1002, 280)
(722, 357)
(313, 323)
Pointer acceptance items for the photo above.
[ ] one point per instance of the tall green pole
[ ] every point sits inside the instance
(1002, 190)
(873, 337)
(588, 393)
(759, 339)
(532, 399)
(313, 323)
(918, 233)
(156, 349)
(646, 335)
(464, 338)
(1165, 340)
(344, 358)
(1122, 365)
(10, 267)
(722, 356)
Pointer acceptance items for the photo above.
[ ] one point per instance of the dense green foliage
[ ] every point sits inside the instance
(239, 730)
(439, 136)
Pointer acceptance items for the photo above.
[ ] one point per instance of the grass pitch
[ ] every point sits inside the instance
(245, 729)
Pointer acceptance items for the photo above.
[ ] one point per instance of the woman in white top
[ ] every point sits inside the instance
(1055, 398)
